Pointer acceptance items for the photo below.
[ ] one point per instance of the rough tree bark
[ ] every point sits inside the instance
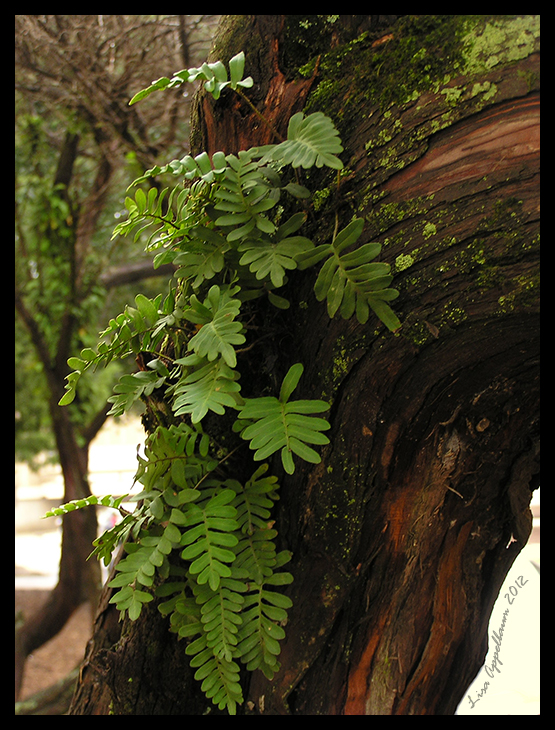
(402, 536)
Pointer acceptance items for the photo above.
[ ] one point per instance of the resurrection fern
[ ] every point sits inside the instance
(245, 194)
(166, 220)
(272, 255)
(203, 258)
(205, 386)
(214, 75)
(311, 140)
(277, 424)
(64, 509)
(218, 332)
(200, 542)
(348, 281)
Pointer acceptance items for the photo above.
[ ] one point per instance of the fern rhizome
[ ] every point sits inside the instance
(202, 543)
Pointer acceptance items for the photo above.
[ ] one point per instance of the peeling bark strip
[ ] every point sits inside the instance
(489, 143)
(401, 537)
(235, 127)
(282, 100)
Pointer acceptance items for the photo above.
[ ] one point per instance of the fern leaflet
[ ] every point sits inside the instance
(219, 331)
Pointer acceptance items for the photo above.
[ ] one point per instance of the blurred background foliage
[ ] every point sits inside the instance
(78, 145)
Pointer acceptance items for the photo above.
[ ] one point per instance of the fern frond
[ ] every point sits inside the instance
(219, 331)
(143, 211)
(221, 615)
(165, 221)
(351, 282)
(145, 556)
(214, 75)
(132, 330)
(131, 599)
(261, 632)
(311, 140)
(105, 544)
(219, 676)
(283, 425)
(247, 191)
(202, 167)
(258, 564)
(213, 616)
(205, 386)
(144, 559)
(203, 257)
(209, 536)
(172, 466)
(255, 500)
(255, 551)
(64, 509)
(270, 256)
(130, 388)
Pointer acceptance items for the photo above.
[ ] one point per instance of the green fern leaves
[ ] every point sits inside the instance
(219, 332)
(214, 75)
(311, 140)
(219, 675)
(246, 193)
(271, 256)
(278, 424)
(350, 282)
(203, 258)
(64, 509)
(208, 540)
(224, 597)
(205, 386)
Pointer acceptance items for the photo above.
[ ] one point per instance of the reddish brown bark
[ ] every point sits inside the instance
(490, 143)
(235, 127)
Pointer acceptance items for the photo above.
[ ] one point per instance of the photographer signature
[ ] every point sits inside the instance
(497, 638)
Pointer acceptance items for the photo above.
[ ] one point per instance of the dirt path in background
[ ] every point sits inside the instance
(60, 655)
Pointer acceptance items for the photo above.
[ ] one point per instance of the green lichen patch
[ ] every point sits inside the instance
(430, 229)
(403, 261)
(525, 294)
(502, 39)
(424, 51)
(387, 215)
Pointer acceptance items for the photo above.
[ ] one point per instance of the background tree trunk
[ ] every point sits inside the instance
(402, 536)
(79, 579)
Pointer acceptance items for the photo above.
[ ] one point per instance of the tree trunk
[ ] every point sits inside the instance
(79, 579)
(402, 536)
